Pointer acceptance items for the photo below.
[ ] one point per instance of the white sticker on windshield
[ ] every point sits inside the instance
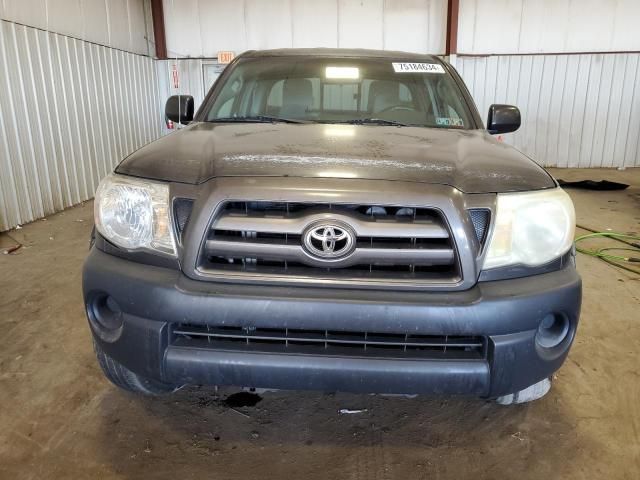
(417, 67)
(449, 122)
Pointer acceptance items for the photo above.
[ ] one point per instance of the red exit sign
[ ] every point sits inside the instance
(225, 57)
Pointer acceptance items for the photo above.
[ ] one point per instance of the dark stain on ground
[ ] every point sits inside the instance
(242, 399)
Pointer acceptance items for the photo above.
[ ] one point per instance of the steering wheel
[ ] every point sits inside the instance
(396, 107)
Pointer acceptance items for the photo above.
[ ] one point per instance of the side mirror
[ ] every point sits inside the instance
(179, 109)
(503, 119)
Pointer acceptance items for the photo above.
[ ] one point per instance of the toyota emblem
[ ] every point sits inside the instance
(329, 241)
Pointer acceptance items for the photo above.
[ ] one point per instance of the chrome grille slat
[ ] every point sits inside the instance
(393, 243)
(296, 225)
(424, 256)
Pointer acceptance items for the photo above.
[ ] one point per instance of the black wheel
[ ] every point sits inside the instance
(124, 378)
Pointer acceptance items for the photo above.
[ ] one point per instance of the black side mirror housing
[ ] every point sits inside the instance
(179, 109)
(503, 119)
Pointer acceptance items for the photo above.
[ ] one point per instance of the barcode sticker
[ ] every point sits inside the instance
(417, 68)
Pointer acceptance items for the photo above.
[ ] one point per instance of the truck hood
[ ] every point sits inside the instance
(470, 160)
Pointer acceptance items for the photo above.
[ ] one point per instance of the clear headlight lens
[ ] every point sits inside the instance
(134, 214)
(531, 228)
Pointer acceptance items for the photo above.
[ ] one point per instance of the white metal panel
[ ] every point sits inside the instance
(67, 16)
(183, 26)
(27, 12)
(625, 25)
(547, 26)
(314, 23)
(201, 28)
(138, 28)
(95, 28)
(630, 118)
(69, 112)
(268, 24)
(543, 27)
(577, 110)
(118, 24)
(115, 23)
(221, 27)
(412, 25)
(361, 24)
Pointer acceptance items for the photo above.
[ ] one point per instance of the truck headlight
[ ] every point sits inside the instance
(134, 214)
(531, 228)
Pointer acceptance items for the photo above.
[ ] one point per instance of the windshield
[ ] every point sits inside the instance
(340, 90)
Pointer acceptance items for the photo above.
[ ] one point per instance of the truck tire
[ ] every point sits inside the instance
(124, 378)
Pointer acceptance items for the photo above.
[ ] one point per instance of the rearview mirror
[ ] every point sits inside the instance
(179, 109)
(503, 119)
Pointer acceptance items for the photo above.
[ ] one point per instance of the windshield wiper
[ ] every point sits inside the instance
(373, 121)
(256, 119)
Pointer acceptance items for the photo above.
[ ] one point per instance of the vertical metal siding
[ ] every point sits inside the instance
(114, 23)
(200, 28)
(69, 112)
(577, 110)
(547, 26)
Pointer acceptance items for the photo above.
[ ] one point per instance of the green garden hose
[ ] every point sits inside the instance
(605, 253)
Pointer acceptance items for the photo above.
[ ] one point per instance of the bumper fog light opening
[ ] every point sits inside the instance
(553, 330)
(106, 316)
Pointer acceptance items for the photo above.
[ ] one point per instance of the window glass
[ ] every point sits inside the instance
(328, 90)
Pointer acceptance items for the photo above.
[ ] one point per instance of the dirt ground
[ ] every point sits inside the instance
(60, 419)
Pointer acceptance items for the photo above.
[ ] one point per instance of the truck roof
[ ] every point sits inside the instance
(340, 52)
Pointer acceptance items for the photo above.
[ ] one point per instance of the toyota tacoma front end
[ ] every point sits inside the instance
(334, 220)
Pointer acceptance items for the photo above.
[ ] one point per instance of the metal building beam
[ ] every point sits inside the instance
(453, 6)
(157, 13)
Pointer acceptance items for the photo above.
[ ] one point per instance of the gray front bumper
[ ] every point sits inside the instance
(506, 312)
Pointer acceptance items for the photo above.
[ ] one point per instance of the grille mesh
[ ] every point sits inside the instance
(327, 342)
(181, 212)
(480, 219)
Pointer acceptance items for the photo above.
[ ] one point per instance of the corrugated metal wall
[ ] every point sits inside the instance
(547, 26)
(200, 28)
(577, 110)
(69, 112)
(113, 23)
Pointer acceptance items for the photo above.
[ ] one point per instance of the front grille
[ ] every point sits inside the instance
(392, 243)
(181, 212)
(326, 342)
(480, 220)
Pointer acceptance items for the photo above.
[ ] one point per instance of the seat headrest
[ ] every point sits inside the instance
(383, 94)
(297, 97)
